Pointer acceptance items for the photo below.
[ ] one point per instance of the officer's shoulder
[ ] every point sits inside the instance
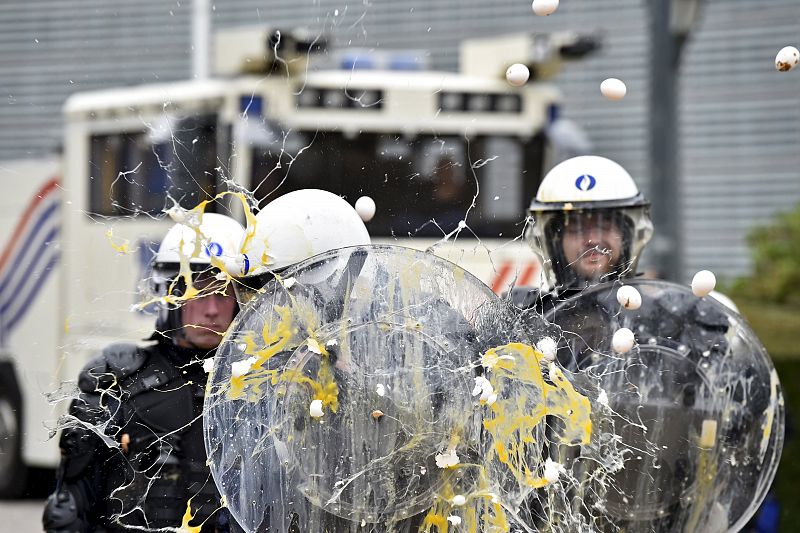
(116, 362)
(524, 297)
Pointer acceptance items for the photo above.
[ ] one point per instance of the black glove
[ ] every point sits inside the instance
(61, 514)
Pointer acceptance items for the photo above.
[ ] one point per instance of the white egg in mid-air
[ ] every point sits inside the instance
(623, 340)
(544, 7)
(365, 207)
(787, 58)
(629, 298)
(613, 89)
(703, 283)
(517, 74)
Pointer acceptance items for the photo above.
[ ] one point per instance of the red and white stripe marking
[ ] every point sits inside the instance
(517, 274)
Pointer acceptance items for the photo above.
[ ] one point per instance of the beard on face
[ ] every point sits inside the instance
(594, 260)
(602, 248)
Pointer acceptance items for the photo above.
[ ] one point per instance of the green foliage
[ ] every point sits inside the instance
(770, 300)
(789, 470)
(776, 262)
(775, 325)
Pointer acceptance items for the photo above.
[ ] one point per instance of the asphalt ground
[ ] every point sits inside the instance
(21, 516)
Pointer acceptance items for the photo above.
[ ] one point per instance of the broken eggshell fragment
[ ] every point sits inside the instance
(548, 348)
(315, 409)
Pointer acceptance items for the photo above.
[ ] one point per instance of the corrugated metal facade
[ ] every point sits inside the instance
(740, 129)
(50, 49)
(739, 125)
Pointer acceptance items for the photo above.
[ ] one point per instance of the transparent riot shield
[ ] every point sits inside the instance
(695, 407)
(381, 388)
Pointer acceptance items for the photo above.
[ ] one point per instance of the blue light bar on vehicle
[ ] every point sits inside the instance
(357, 62)
(553, 112)
(251, 104)
(404, 62)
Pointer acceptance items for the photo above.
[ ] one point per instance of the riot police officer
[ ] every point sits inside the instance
(132, 449)
(590, 224)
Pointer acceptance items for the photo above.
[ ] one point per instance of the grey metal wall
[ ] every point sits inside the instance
(50, 49)
(739, 127)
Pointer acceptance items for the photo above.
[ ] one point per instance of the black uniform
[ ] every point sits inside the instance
(133, 451)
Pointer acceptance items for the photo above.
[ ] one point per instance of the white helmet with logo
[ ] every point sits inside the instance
(294, 227)
(587, 186)
(212, 241)
(201, 245)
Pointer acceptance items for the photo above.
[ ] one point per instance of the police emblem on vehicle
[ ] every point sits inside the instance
(585, 182)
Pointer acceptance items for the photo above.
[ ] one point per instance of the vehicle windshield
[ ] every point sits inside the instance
(131, 171)
(423, 185)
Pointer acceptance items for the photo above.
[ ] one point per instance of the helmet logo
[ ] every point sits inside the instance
(586, 182)
(214, 249)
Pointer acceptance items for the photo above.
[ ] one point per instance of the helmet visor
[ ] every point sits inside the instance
(582, 247)
(168, 285)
